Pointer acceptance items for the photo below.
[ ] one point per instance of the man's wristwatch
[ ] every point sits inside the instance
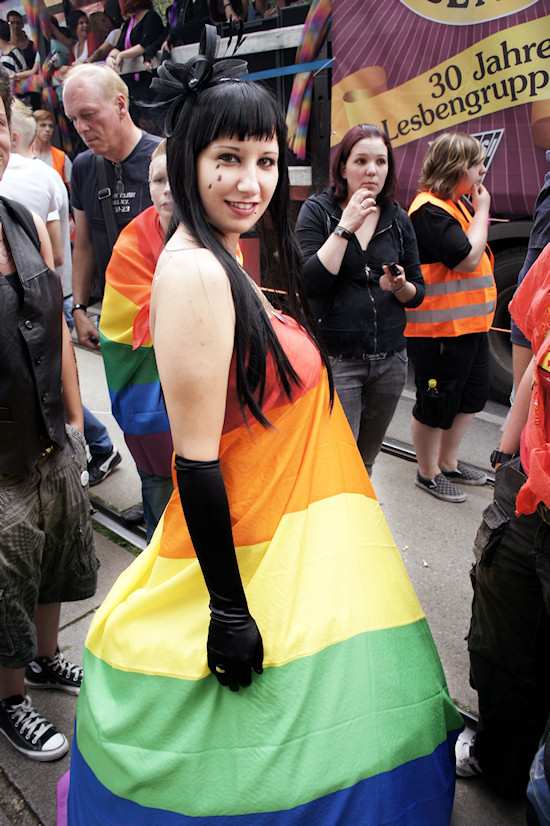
(78, 307)
(498, 457)
(343, 232)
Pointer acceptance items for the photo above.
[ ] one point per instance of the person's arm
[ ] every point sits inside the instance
(84, 271)
(60, 35)
(519, 412)
(193, 327)
(360, 210)
(72, 402)
(69, 374)
(521, 359)
(404, 291)
(196, 318)
(101, 53)
(313, 234)
(54, 232)
(408, 288)
(67, 166)
(478, 230)
(24, 74)
(126, 54)
(117, 48)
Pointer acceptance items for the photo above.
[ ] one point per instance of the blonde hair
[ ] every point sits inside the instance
(93, 20)
(110, 84)
(160, 152)
(447, 161)
(23, 122)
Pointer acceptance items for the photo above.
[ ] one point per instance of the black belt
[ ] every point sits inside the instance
(367, 356)
(46, 452)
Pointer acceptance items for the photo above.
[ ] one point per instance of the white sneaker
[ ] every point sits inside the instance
(466, 763)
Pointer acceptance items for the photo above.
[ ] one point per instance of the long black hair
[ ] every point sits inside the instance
(228, 107)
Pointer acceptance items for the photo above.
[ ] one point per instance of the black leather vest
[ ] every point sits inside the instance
(31, 407)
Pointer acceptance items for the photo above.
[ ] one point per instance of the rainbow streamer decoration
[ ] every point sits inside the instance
(128, 355)
(299, 107)
(38, 18)
(350, 722)
(41, 84)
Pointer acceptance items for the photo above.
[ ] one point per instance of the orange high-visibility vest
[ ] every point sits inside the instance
(455, 303)
(58, 160)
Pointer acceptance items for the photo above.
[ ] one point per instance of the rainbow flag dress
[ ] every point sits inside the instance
(350, 722)
(128, 355)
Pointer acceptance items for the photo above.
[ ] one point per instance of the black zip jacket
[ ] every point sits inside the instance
(354, 315)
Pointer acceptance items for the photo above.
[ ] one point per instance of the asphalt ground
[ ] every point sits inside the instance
(435, 540)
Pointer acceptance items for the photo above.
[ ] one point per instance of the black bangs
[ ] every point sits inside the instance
(236, 108)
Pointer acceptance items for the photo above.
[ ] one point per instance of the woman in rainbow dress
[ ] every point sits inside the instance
(265, 660)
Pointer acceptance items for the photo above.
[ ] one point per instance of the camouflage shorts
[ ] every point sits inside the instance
(47, 550)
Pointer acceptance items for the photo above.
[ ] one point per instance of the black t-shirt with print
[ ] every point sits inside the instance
(127, 206)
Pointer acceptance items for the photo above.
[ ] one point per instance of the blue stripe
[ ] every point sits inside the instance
(289, 70)
(402, 797)
(139, 409)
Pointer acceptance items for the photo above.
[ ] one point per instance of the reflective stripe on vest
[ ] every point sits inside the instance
(455, 304)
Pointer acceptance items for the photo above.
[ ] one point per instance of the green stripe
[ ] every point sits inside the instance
(125, 366)
(354, 710)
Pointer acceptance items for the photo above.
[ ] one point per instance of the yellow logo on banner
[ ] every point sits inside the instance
(465, 12)
(507, 69)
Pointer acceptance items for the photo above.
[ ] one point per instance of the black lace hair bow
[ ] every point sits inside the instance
(176, 82)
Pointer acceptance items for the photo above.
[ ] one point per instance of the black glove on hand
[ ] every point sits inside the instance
(234, 644)
(234, 647)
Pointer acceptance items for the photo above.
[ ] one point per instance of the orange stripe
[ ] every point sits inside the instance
(136, 253)
(264, 472)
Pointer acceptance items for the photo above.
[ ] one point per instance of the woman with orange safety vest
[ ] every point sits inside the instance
(447, 333)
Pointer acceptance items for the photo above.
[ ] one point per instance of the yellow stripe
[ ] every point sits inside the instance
(337, 593)
(116, 313)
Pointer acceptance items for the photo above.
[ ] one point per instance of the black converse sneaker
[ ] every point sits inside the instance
(30, 733)
(57, 673)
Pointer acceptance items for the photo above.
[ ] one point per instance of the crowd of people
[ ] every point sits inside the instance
(130, 35)
(254, 428)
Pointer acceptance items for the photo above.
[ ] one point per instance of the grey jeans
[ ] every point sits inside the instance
(369, 392)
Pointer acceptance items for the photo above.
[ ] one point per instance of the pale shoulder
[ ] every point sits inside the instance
(189, 271)
(191, 291)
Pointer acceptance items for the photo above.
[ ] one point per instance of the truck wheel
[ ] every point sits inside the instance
(508, 263)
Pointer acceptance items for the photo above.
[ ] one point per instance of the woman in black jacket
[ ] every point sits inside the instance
(350, 235)
(136, 46)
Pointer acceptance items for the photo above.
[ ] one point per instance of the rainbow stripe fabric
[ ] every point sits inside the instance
(350, 722)
(128, 355)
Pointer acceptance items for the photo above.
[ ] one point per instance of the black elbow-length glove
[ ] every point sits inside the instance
(234, 644)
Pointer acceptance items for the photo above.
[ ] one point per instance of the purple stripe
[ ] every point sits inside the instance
(152, 452)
